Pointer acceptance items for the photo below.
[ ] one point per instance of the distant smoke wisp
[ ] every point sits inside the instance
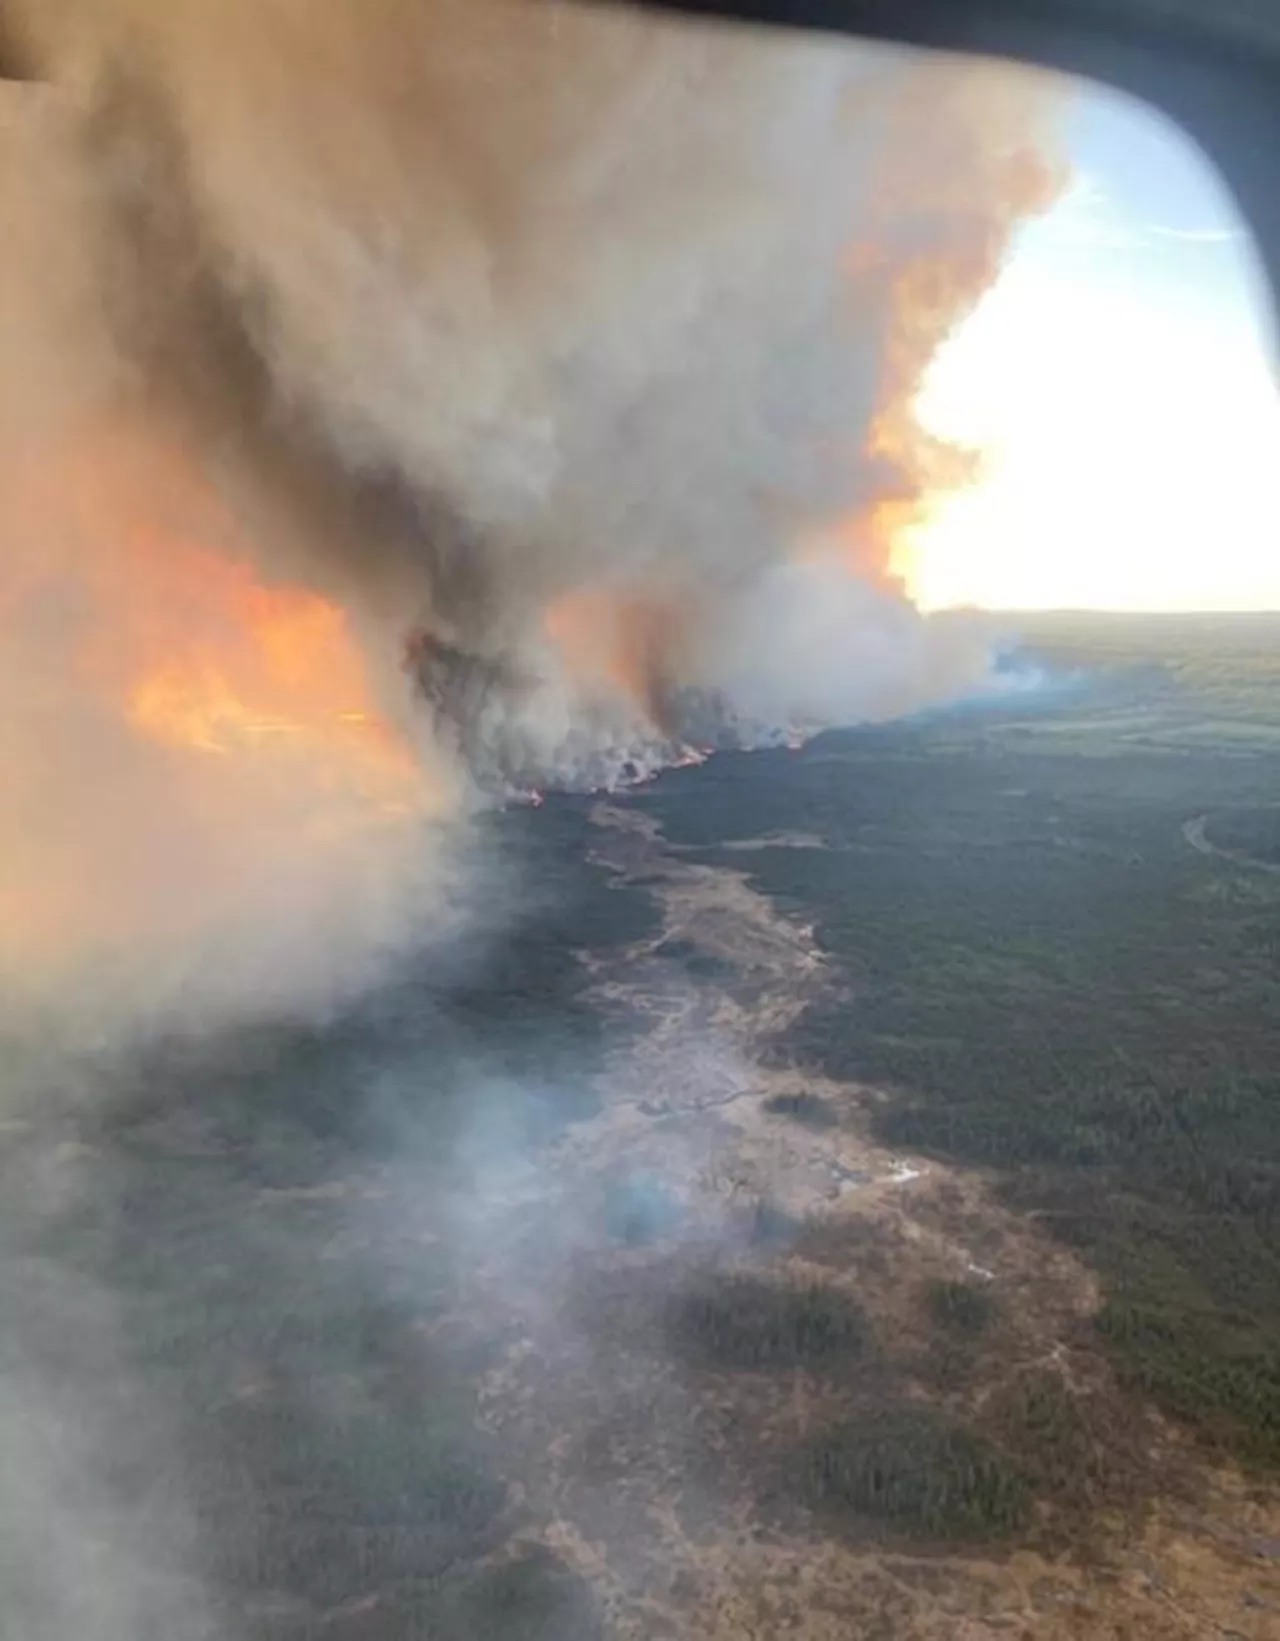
(539, 374)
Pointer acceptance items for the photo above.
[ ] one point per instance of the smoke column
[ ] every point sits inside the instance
(406, 399)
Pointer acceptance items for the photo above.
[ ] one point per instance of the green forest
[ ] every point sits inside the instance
(1053, 984)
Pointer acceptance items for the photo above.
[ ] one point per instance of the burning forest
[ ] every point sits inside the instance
(428, 403)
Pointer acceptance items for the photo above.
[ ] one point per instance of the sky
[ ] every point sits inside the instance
(1119, 380)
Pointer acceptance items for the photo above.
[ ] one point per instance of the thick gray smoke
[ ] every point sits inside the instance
(538, 338)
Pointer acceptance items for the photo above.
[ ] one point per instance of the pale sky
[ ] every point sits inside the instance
(1119, 379)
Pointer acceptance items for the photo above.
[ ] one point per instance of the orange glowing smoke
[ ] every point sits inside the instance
(627, 640)
(185, 744)
(180, 629)
(964, 164)
(289, 677)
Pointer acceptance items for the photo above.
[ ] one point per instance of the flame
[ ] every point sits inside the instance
(199, 653)
(289, 681)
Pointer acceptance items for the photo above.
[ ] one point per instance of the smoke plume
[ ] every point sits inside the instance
(407, 397)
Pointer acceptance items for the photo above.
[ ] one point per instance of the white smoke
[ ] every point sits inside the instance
(812, 646)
